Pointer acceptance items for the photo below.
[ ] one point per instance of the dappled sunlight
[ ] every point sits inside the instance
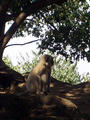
(64, 102)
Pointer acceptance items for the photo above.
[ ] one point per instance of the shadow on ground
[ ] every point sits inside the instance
(64, 102)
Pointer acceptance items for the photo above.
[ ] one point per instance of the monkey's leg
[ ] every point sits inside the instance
(45, 89)
(44, 79)
(41, 86)
(48, 84)
(38, 86)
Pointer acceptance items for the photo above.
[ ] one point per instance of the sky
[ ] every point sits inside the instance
(15, 52)
(88, 1)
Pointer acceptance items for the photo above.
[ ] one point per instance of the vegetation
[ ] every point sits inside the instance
(67, 29)
(86, 77)
(63, 28)
(9, 63)
(18, 11)
(65, 71)
(62, 70)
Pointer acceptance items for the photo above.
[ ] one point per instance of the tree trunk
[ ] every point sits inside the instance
(1, 42)
(1, 54)
(4, 4)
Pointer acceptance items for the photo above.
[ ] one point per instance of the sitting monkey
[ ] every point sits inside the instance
(39, 79)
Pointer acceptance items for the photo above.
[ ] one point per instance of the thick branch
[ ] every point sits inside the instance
(4, 4)
(32, 8)
(13, 29)
(23, 43)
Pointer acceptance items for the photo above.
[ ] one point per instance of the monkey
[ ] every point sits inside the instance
(38, 80)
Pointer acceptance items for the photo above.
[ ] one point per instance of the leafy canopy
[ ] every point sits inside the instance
(63, 29)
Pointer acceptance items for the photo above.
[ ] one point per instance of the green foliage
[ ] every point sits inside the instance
(65, 71)
(60, 27)
(62, 70)
(9, 63)
(68, 28)
(86, 77)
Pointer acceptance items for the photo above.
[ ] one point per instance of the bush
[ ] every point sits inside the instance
(62, 70)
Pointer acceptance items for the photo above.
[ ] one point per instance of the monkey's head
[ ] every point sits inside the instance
(47, 59)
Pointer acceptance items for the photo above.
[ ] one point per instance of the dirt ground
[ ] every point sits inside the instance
(64, 102)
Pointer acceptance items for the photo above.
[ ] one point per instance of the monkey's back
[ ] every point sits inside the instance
(39, 69)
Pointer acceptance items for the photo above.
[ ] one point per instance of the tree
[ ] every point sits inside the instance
(18, 11)
(63, 29)
(67, 30)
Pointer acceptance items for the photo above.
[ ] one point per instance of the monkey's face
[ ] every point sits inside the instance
(48, 60)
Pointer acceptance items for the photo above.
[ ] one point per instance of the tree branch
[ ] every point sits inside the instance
(32, 8)
(4, 4)
(48, 21)
(23, 43)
